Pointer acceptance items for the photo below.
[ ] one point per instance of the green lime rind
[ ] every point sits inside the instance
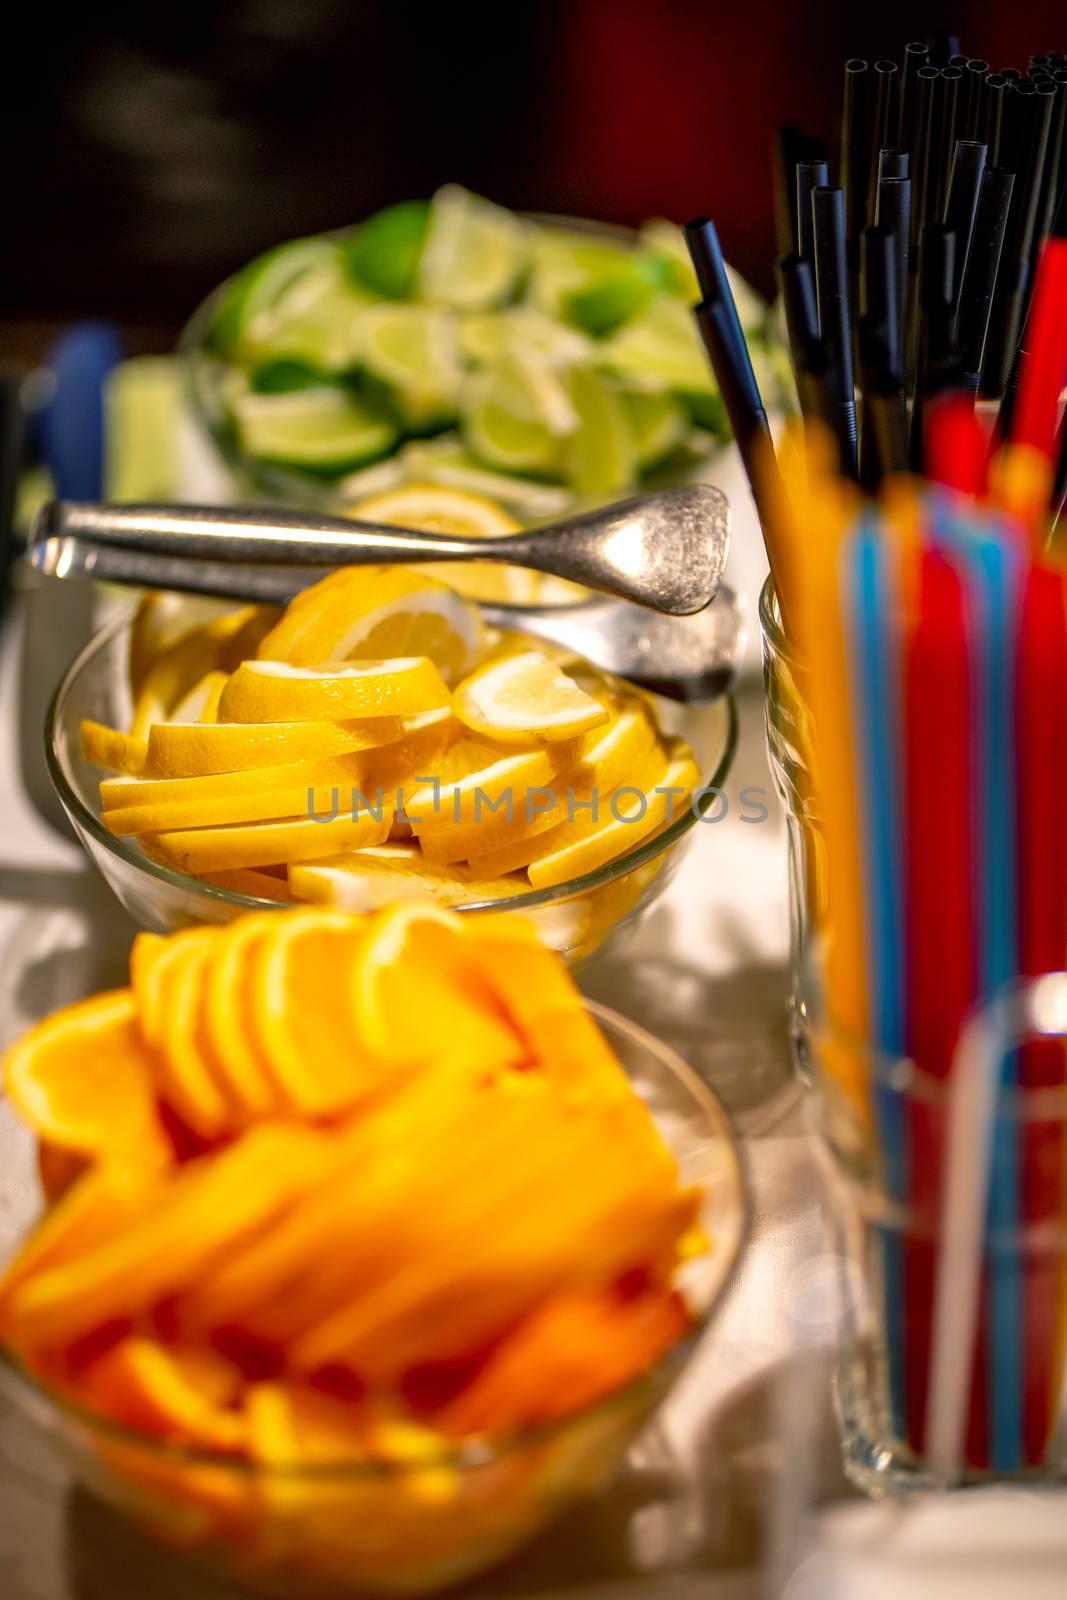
(600, 457)
(259, 286)
(408, 362)
(326, 431)
(659, 424)
(621, 294)
(383, 254)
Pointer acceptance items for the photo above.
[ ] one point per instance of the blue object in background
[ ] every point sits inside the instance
(69, 425)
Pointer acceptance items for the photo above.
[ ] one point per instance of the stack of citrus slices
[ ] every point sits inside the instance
(334, 1187)
(377, 742)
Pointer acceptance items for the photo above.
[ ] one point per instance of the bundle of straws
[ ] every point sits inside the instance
(930, 629)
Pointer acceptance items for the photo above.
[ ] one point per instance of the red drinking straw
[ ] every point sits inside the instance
(1041, 687)
(940, 914)
(1045, 364)
(957, 448)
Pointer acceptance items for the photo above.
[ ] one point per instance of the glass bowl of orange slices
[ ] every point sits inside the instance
(367, 1247)
(375, 742)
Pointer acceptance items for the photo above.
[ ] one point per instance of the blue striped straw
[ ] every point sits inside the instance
(872, 609)
(992, 566)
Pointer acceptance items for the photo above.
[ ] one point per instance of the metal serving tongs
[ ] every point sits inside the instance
(662, 556)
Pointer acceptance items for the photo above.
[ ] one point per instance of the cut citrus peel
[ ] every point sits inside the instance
(184, 750)
(275, 691)
(525, 697)
(379, 613)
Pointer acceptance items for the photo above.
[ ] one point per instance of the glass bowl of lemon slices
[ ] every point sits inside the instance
(543, 361)
(371, 1249)
(374, 742)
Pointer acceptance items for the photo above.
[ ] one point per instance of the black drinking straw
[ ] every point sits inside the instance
(980, 272)
(965, 180)
(883, 118)
(894, 214)
(928, 82)
(973, 74)
(856, 112)
(720, 329)
(892, 164)
(951, 78)
(881, 369)
(1011, 73)
(810, 175)
(1053, 170)
(792, 144)
(797, 279)
(991, 114)
(936, 366)
(831, 288)
(1006, 413)
(1026, 141)
(915, 56)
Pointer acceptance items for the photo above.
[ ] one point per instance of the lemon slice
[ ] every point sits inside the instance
(163, 619)
(263, 844)
(276, 691)
(473, 251)
(369, 880)
(315, 791)
(188, 750)
(525, 697)
(379, 613)
(410, 350)
(638, 815)
(102, 746)
(201, 702)
(626, 751)
(439, 508)
(120, 793)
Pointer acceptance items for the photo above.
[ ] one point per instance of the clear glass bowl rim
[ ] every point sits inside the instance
(482, 1451)
(529, 900)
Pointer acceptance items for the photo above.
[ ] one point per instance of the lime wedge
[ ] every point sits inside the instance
(658, 424)
(312, 321)
(326, 430)
(601, 457)
(617, 296)
(260, 285)
(484, 336)
(565, 261)
(494, 431)
(659, 350)
(383, 254)
(410, 353)
(473, 253)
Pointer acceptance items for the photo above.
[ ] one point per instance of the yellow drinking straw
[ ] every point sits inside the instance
(821, 507)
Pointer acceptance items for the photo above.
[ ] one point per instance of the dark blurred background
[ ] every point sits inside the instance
(152, 148)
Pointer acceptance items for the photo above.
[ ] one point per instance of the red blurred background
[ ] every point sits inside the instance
(154, 148)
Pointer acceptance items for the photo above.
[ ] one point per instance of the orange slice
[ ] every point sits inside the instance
(521, 698)
(274, 691)
(142, 1385)
(166, 976)
(203, 1212)
(301, 980)
(83, 1078)
(418, 994)
(229, 1001)
(102, 746)
(259, 844)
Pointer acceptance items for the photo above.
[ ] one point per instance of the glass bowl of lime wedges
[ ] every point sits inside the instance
(541, 361)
